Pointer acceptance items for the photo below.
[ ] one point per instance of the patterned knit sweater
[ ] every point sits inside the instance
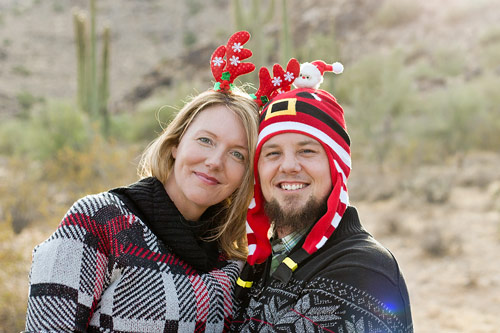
(352, 284)
(105, 270)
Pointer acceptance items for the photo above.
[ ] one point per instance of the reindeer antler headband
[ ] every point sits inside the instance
(226, 64)
(281, 81)
(226, 70)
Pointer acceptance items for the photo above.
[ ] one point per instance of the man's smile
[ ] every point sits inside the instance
(292, 186)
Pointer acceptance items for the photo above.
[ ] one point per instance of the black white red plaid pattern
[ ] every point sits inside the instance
(103, 270)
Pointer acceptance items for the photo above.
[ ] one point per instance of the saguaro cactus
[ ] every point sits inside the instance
(92, 90)
(286, 38)
(253, 21)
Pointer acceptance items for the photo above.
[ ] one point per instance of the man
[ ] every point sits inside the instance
(320, 271)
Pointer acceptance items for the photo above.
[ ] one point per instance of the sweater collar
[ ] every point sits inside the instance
(148, 199)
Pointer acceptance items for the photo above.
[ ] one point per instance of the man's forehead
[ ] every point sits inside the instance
(290, 138)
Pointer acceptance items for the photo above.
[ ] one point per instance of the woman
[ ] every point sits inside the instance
(158, 255)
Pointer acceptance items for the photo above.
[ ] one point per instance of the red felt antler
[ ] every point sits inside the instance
(281, 81)
(225, 71)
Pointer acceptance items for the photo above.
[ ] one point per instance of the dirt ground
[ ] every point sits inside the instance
(448, 249)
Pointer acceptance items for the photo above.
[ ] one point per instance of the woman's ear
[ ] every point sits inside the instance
(174, 152)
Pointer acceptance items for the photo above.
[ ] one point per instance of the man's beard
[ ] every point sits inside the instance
(290, 219)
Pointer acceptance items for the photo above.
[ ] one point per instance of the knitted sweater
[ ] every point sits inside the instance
(105, 270)
(351, 284)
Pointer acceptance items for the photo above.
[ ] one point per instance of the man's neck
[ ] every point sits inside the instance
(283, 232)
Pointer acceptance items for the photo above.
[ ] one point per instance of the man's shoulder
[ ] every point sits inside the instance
(357, 254)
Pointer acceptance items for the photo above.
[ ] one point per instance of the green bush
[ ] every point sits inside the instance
(11, 135)
(56, 125)
(153, 114)
(448, 61)
(461, 118)
(27, 100)
(490, 55)
(143, 125)
(378, 94)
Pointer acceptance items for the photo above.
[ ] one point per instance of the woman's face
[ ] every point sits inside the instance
(210, 161)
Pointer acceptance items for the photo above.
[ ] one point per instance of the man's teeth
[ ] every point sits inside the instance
(291, 187)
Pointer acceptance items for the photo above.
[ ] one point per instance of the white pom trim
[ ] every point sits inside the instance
(337, 67)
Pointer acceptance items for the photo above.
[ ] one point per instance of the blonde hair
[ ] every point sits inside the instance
(157, 161)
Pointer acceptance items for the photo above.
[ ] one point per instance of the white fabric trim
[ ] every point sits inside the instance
(339, 169)
(249, 229)
(252, 204)
(251, 249)
(321, 242)
(336, 220)
(322, 136)
(344, 197)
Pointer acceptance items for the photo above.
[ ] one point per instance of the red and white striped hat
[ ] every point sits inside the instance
(317, 114)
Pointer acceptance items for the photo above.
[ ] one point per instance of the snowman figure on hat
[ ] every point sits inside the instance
(311, 73)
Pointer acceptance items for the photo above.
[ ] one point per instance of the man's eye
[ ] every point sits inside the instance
(272, 153)
(307, 151)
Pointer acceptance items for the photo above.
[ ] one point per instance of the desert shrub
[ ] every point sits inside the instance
(13, 278)
(391, 119)
(437, 242)
(39, 192)
(378, 96)
(490, 49)
(319, 46)
(21, 70)
(145, 124)
(102, 165)
(447, 61)
(459, 119)
(24, 196)
(324, 47)
(11, 135)
(393, 13)
(55, 125)
(152, 114)
(27, 100)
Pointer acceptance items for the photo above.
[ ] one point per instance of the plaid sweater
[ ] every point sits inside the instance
(351, 284)
(105, 270)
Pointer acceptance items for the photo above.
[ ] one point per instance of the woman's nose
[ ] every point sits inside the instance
(215, 159)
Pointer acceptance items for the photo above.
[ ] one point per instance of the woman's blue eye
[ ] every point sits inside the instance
(205, 140)
(238, 155)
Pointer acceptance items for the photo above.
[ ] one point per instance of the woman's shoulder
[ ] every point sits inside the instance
(99, 205)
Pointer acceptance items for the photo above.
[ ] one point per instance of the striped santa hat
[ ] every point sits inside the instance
(315, 113)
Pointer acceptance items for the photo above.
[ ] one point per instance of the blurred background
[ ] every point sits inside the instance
(86, 84)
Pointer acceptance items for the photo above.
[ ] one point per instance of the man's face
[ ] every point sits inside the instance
(293, 170)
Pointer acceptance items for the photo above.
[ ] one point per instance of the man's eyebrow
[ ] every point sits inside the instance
(308, 142)
(270, 145)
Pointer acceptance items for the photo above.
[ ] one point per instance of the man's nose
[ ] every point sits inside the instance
(290, 164)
